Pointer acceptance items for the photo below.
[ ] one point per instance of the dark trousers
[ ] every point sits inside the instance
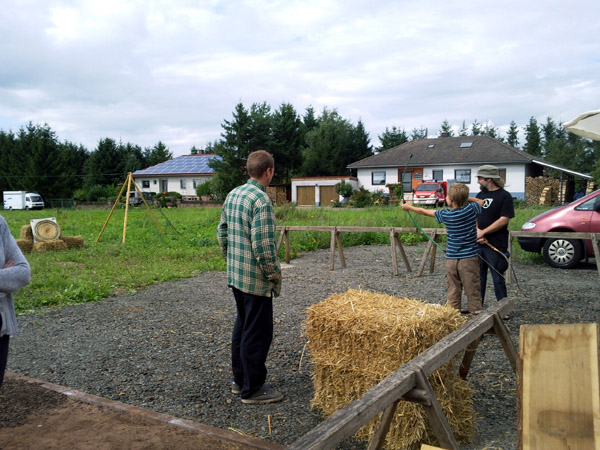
(251, 340)
(499, 264)
(3, 354)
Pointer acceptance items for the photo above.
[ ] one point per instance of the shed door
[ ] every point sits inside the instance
(328, 195)
(305, 195)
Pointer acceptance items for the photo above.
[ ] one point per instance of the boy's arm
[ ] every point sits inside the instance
(422, 211)
(476, 200)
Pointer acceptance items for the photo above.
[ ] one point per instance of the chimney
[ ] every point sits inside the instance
(445, 134)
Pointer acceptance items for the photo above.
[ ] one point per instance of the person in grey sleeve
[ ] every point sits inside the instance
(14, 274)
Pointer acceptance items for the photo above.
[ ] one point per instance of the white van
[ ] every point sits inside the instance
(23, 200)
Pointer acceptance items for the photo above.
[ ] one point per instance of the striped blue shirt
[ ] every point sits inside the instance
(461, 227)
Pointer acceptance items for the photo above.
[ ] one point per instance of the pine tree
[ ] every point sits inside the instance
(512, 137)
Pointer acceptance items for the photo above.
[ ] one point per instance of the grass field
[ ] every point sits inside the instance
(188, 246)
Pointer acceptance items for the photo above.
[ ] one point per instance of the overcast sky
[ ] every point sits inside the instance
(173, 70)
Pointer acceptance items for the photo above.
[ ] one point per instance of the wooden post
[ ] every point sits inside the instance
(433, 253)
(332, 249)
(280, 240)
(338, 240)
(437, 420)
(426, 254)
(402, 253)
(507, 343)
(385, 421)
(287, 246)
(126, 206)
(111, 211)
(465, 365)
(394, 257)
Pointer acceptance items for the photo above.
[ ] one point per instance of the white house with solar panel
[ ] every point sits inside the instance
(182, 174)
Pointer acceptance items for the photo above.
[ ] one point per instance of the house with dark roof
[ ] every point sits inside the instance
(451, 158)
(182, 174)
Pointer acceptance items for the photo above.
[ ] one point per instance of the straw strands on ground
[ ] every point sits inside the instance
(358, 338)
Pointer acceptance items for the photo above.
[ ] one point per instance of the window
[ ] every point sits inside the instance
(146, 184)
(438, 175)
(182, 183)
(431, 146)
(378, 178)
(466, 144)
(155, 181)
(418, 176)
(463, 175)
(407, 178)
(587, 205)
(197, 183)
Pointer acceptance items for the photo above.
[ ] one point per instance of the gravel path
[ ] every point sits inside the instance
(167, 347)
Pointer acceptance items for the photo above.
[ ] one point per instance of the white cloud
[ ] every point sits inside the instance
(145, 71)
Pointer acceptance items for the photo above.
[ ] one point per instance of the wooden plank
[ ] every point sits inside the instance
(332, 250)
(426, 254)
(380, 433)
(433, 252)
(393, 237)
(345, 422)
(507, 344)
(340, 250)
(436, 417)
(402, 253)
(287, 247)
(280, 240)
(560, 386)
(465, 364)
(430, 447)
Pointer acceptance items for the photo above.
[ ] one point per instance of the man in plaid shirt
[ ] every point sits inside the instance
(246, 237)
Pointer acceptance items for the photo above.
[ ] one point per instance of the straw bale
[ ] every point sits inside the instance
(73, 241)
(26, 233)
(25, 245)
(358, 338)
(49, 246)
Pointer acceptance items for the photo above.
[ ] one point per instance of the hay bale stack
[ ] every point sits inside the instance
(25, 245)
(358, 338)
(27, 233)
(73, 241)
(49, 246)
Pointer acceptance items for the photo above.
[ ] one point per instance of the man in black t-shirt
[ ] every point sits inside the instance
(492, 228)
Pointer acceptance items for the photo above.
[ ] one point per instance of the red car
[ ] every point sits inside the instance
(580, 216)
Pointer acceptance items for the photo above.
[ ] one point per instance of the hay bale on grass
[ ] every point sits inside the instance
(25, 245)
(49, 246)
(73, 241)
(26, 233)
(358, 338)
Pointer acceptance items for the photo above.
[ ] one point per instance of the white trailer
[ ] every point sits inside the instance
(22, 200)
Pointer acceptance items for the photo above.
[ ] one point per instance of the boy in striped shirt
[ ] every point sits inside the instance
(462, 263)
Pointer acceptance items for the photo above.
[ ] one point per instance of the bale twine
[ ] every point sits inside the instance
(73, 241)
(26, 233)
(25, 245)
(49, 246)
(358, 338)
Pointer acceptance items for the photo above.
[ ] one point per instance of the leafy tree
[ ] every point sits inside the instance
(288, 136)
(155, 155)
(418, 133)
(392, 138)
(533, 144)
(234, 149)
(476, 128)
(333, 145)
(512, 136)
(309, 119)
(490, 130)
(446, 128)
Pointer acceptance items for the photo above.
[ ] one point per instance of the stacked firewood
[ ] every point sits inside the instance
(541, 190)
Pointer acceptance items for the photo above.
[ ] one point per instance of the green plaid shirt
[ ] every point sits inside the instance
(246, 237)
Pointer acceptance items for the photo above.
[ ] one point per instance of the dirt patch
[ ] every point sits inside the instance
(33, 416)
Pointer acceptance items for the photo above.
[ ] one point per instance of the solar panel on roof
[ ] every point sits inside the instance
(181, 165)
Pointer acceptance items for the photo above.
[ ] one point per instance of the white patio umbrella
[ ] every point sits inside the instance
(586, 125)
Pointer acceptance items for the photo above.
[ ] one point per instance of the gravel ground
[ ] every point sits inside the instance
(166, 348)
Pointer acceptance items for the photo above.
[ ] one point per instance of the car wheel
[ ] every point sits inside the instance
(26, 208)
(562, 253)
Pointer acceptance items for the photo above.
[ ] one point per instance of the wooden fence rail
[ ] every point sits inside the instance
(430, 249)
(409, 383)
(395, 243)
